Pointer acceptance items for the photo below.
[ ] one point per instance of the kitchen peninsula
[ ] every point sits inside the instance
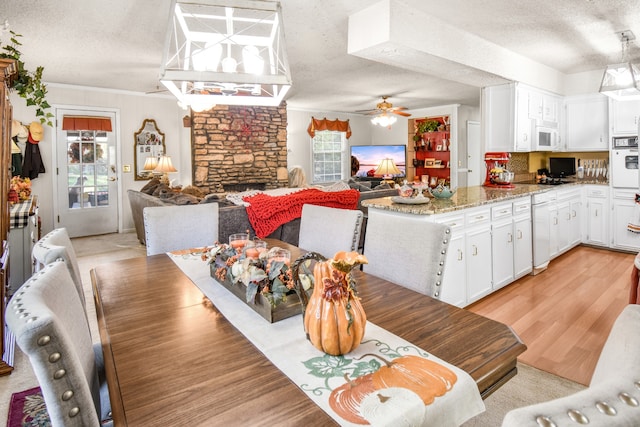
(500, 235)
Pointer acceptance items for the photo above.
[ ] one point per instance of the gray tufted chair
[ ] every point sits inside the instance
(407, 250)
(170, 228)
(613, 396)
(50, 327)
(329, 230)
(56, 245)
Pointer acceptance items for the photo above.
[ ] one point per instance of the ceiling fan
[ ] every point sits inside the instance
(385, 107)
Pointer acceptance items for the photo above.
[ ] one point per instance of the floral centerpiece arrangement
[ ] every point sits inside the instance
(261, 271)
(19, 189)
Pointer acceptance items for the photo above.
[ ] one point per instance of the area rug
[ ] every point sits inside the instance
(27, 409)
(528, 387)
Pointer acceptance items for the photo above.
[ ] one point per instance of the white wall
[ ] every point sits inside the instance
(133, 108)
(363, 133)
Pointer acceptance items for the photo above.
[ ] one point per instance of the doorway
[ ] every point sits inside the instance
(474, 162)
(86, 180)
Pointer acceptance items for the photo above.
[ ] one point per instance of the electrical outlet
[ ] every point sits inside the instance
(126, 168)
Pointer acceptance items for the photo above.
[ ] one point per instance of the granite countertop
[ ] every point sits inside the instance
(467, 197)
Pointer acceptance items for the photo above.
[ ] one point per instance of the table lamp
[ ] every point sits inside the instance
(387, 168)
(164, 166)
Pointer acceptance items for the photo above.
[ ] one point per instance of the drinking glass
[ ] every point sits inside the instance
(238, 241)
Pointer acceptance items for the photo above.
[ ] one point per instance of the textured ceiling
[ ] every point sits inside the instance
(118, 44)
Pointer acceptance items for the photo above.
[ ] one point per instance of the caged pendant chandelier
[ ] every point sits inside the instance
(226, 52)
(621, 81)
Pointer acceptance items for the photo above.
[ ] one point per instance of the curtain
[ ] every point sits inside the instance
(324, 124)
(86, 123)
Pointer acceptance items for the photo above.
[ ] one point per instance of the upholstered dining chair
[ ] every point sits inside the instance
(169, 228)
(56, 245)
(407, 250)
(50, 327)
(329, 230)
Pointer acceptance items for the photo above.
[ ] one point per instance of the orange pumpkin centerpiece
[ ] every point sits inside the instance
(334, 318)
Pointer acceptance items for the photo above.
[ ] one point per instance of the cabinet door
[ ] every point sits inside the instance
(523, 125)
(523, 246)
(623, 212)
(624, 117)
(554, 226)
(498, 107)
(503, 251)
(478, 249)
(550, 105)
(535, 105)
(597, 222)
(586, 126)
(454, 281)
(575, 222)
(564, 219)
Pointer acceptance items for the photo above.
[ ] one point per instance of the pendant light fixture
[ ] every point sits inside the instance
(226, 52)
(622, 81)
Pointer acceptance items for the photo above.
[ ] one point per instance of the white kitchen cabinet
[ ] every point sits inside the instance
(598, 207)
(523, 124)
(523, 238)
(512, 111)
(467, 273)
(624, 117)
(507, 125)
(478, 248)
(454, 282)
(569, 203)
(586, 123)
(502, 245)
(624, 211)
(543, 107)
(499, 112)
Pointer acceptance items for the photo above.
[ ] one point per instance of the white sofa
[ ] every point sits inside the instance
(613, 396)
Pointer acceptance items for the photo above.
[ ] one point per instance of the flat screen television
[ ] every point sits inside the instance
(562, 166)
(370, 156)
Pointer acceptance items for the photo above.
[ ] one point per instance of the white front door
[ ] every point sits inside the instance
(86, 179)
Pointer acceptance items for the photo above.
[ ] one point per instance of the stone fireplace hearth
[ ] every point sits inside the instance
(239, 147)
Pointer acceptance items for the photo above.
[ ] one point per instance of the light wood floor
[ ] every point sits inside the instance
(564, 314)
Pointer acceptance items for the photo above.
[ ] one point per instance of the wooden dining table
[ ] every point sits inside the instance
(172, 359)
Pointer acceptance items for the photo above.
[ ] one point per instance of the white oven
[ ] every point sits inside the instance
(624, 162)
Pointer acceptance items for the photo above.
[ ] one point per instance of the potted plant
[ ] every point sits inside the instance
(27, 84)
(428, 125)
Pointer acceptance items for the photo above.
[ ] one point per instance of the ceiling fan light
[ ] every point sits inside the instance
(384, 120)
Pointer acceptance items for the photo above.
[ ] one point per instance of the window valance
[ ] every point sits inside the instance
(324, 124)
(86, 123)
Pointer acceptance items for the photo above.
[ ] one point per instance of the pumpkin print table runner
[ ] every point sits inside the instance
(385, 381)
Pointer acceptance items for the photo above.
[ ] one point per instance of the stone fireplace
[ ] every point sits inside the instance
(239, 147)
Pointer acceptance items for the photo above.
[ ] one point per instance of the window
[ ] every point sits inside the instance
(327, 152)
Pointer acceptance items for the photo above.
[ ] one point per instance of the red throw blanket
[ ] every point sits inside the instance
(267, 213)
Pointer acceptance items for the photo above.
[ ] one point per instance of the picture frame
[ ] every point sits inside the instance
(437, 162)
(433, 182)
(148, 141)
(439, 147)
(429, 163)
(441, 181)
(425, 179)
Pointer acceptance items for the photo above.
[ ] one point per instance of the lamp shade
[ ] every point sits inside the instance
(387, 167)
(165, 165)
(150, 163)
(620, 81)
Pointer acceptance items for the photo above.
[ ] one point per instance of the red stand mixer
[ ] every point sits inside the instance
(497, 174)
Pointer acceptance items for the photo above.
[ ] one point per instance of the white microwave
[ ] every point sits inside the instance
(546, 138)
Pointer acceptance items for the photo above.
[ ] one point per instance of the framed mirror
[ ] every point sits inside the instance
(149, 146)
